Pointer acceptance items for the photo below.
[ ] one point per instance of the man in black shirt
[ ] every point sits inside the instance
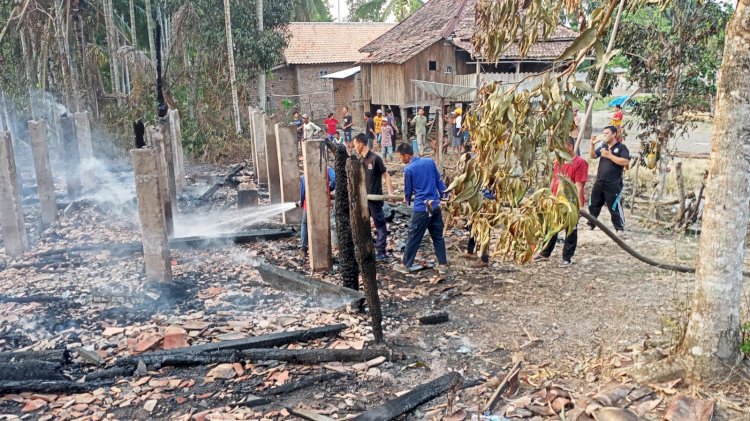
(370, 129)
(347, 126)
(608, 186)
(375, 173)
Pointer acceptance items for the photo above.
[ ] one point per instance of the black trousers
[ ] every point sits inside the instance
(608, 193)
(569, 249)
(471, 245)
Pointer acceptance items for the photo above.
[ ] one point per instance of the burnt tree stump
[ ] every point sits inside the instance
(347, 259)
(364, 247)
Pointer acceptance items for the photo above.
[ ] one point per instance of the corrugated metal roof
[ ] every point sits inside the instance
(342, 74)
(330, 42)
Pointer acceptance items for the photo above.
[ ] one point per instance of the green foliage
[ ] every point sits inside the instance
(311, 11)
(674, 53)
(745, 342)
(381, 10)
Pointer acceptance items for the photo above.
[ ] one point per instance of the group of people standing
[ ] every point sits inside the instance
(424, 187)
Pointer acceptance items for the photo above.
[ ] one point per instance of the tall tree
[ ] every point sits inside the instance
(150, 29)
(311, 11)
(712, 343)
(672, 53)
(382, 10)
(232, 69)
(133, 32)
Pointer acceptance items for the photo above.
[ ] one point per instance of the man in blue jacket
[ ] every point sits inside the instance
(422, 180)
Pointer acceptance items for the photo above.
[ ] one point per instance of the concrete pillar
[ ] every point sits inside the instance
(11, 213)
(71, 157)
(286, 151)
(166, 131)
(251, 120)
(272, 162)
(317, 205)
(156, 254)
(156, 142)
(179, 153)
(259, 142)
(43, 169)
(85, 150)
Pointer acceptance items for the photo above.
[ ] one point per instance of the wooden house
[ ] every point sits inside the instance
(434, 44)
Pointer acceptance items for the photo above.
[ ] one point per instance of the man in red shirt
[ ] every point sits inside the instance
(577, 171)
(331, 124)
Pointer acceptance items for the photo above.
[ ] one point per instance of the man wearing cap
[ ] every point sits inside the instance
(457, 130)
(309, 128)
(378, 120)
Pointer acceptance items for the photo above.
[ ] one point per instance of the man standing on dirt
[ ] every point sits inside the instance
(375, 173)
(370, 129)
(420, 128)
(577, 171)
(347, 126)
(422, 179)
(608, 186)
(378, 120)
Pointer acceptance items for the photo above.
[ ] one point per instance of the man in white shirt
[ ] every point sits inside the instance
(309, 129)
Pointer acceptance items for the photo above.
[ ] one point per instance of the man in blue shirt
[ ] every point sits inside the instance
(422, 180)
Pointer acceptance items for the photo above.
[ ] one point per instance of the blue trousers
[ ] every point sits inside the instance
(303, 229)
(421, 222)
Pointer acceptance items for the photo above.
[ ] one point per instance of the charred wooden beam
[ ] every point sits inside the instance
(215, 187)
(307, 381)
(47, 386)
(347, 259)
(412, 399)
(363, 244)
(31, 369)
(159, 358)
(319, 291)
(41, 298)
(60, 356)
(433, 319)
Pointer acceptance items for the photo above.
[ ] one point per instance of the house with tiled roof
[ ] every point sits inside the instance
(318, 74)
(434, 45)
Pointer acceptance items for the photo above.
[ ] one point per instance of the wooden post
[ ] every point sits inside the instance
(247, 196)
(71, 157)
(363, 244)
(441, 131)
(156, 254)
(179, 153)
(85, 149)
(259, 142)
(347, 257)
(404, 127)
(156, 142)
(43, 169)
(317, 205)
(286, 148)
(273, 167)
(11, 212)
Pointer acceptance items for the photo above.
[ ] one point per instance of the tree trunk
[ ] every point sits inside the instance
(262, 72)
(347, 259)
(133, 36)
(712, 341)
(150, 28)
(232, 70)
(363, 244)
(114, 67)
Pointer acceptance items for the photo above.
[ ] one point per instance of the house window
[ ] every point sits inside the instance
(433, 65)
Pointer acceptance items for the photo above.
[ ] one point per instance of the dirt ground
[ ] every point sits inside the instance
(572, 327)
